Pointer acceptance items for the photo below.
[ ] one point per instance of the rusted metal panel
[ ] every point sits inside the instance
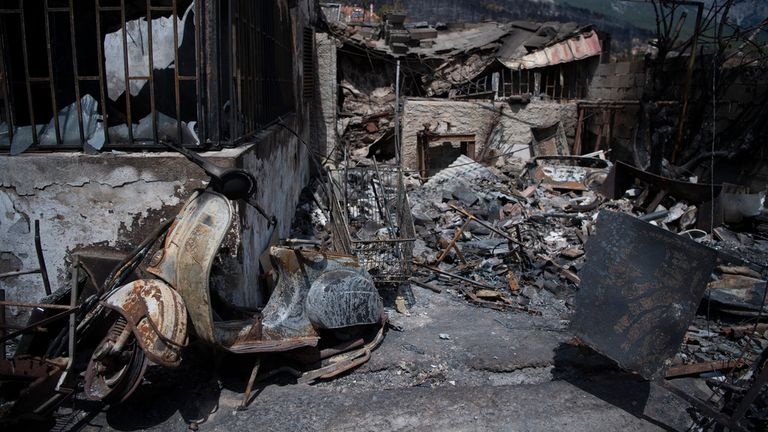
(156, 315)
(577, 48)
(585, 45)
(639, 291)
(559, 53)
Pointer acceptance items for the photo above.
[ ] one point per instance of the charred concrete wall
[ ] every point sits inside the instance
(512, 135)
(114, 201)
(282, 166)
(496, 125)
(82, 200)
(444, 116)
(617, 81)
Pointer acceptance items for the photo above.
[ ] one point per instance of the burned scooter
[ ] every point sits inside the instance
(316, 293)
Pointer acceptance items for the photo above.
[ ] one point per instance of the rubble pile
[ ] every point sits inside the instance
(517, 242)
(366, 113)
(473, 222)
(503, 239)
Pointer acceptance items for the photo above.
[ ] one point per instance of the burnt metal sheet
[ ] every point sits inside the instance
(623, 176)
(639, 291)
(284, 323)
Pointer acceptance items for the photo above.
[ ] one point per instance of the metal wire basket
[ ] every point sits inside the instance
(372, 220)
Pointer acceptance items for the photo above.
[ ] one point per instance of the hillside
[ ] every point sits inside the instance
(624, 20)
(535, 10)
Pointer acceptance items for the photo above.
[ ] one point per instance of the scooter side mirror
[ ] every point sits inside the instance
(235, 184)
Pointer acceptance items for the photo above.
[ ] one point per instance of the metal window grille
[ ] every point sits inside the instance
(560, 82)
(129, 74)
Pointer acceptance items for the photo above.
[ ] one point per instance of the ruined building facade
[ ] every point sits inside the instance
(230, 79)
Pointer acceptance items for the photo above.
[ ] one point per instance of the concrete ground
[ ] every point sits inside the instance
(495, 371)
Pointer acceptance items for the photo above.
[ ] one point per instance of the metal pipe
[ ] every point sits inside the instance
(51, 84)
(18, 273)
(2, 323)
(42, 322)
(75, 70)
(688, 76)
(176, 70)
(151, 71)
(252, 40)
(72, 323)
(35, 305)
(233, 104)
(5, 87)
(200, 63)
(397, 113)
(126, 73)
(455, 276)
(102, 84)
(25, 55)
(41, 259)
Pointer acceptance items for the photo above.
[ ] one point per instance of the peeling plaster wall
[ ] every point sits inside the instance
(496, 124)
(82, 200)
(115, 200)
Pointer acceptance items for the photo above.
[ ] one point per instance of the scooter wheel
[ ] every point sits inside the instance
(116, 367)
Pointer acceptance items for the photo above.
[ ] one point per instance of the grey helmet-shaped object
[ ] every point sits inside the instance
(343, 298)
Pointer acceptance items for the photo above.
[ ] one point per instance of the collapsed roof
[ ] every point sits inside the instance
(459, 53)
(510, 42)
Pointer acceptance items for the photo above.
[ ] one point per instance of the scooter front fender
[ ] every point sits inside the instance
(157, 317)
